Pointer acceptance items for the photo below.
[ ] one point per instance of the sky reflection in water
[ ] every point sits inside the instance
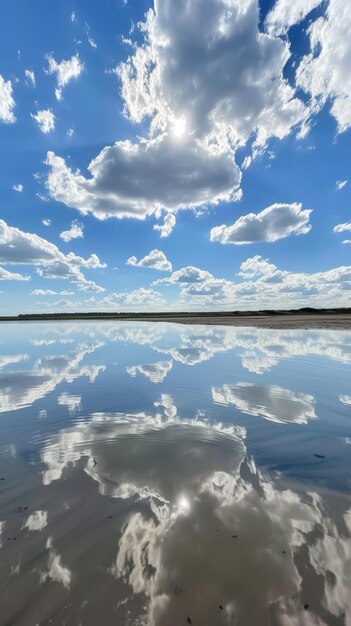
(154, 474)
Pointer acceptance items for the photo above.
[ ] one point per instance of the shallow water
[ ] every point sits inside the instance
(161, 474)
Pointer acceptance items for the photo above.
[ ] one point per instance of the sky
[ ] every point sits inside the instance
(162, 155)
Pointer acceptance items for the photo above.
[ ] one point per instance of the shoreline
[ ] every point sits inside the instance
(280, 321)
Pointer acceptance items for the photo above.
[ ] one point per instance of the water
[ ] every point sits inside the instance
(164, 474)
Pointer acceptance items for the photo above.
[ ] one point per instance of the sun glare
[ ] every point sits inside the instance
(179, 126)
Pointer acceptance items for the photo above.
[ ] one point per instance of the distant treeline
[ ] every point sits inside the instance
(174, 314)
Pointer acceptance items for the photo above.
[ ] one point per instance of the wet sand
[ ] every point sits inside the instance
(332, 322)
(288, 320)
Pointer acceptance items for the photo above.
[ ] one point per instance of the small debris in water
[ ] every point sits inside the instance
(319, 456)
(306, 607)
(188, 620)
(14, 539)
(234, 536)
(110, 517)
(220, 606)
(284, 551)
(2, 478)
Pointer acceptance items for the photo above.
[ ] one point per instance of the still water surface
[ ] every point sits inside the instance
(159, 474)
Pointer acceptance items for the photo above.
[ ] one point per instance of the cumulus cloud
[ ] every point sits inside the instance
(18, 188)
(155, 372)
(30, 77)
(275, 222)
(7, 103)
(340, 184)
(147, 299)
(22, 387)
(156, 259)
(138, 179)
(324, 73)
(256, 266)
(45, 120)
(207, 81)
(74, 232)
(285, 14)
(46, 221)
(188, 274)
(43, 292)
(166, 228)
(262, 285)
(213, 68)
(19, 247)
(65, 71)
(6, 275)
(268, 401)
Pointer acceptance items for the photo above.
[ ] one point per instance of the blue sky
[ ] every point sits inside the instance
(225, 124)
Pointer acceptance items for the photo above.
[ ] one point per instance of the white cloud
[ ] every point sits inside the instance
(70, 132)
(264, 285)
(188, 274)
(138, 179)
(45, 120)
(92, 42)
(26, 386)
(14, 358)
(18, 188)
(65, 71)
(56, 571)
(146, 299)
(340, 184)
(7, 103)
(73, 17)
(2, 528)
(46, 221)
(324, 73)
(156, 259)
(166, 228)
(342, 228)
(6, 275)
(30, 77)
(74, 232)
(19, 247)
(50, 292)
(73, 403)
(268, 401)
(155, 372)
(212, 67)
(204, 92)
(345, 399)
(37, 521)
(275, 222)
(285, 14)
(256, 266)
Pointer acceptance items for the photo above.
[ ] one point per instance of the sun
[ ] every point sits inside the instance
(179, 126)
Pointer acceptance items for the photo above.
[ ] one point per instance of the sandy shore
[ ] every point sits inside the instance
(332, 322)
